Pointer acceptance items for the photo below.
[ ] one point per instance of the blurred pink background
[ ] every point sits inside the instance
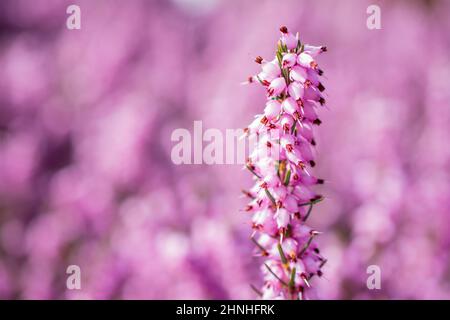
(86, 117)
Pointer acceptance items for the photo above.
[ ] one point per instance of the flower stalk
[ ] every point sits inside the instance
(282, 197)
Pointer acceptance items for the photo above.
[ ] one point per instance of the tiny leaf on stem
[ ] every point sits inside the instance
(308, 213)
(259, 293)
(287, 178)
(263, 250)
(274, 274)
(282, 255)
(311, 202)
(270, 196)
(292, 280)
(306, 246)
(253, 171)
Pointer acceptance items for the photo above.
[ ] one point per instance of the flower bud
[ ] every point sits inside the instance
(290, 106)
(296, 90)
(272, 109)
(289, 60)
(289, 40)
(299, 74)
(276, 87)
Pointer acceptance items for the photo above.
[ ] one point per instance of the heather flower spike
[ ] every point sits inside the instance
(283, 197)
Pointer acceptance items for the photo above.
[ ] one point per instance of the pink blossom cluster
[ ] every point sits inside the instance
(282, 197)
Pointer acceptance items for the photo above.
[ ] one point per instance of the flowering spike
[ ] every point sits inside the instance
(281, 162)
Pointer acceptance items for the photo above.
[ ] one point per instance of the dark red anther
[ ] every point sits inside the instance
(321, 87)
(264, 120)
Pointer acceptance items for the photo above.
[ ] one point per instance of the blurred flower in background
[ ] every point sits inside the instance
(86, 117)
